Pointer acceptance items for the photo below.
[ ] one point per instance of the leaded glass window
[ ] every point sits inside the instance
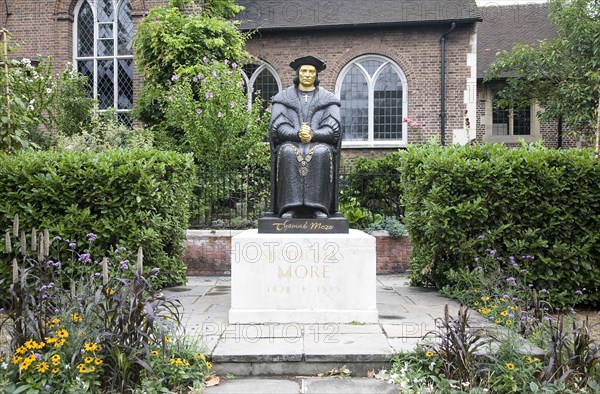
(372, 90)
(264, 81)
(103, 52)
(510, 120)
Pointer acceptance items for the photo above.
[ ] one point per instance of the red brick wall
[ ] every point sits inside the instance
(548, 130)
(416, 50)
(210, 253)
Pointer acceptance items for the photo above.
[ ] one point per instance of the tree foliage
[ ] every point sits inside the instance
(37, 104)
(168, 40)
(562, 75)
(208, 102)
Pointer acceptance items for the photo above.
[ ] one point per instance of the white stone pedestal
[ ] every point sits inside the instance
(303, 278)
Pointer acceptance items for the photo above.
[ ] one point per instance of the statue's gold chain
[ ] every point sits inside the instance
(303, 170)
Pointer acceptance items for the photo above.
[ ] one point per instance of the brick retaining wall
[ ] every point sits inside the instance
(209, 252)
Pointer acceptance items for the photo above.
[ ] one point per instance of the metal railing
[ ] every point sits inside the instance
(236, 200)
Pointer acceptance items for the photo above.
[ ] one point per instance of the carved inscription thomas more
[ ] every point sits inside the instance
(296, 265)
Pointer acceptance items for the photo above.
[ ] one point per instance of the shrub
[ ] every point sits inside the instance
(375, 184)
(102, 132)
(391, 224)
(40, 104)
(528, 201)
(136, 197)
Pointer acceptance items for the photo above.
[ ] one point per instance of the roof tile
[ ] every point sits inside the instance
(285, 14)
(504, 26)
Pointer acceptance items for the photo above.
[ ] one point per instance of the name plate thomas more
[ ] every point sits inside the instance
(295, 225)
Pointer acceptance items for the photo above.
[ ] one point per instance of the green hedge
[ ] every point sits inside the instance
(533, 201)
(375, 184)
(128, 198)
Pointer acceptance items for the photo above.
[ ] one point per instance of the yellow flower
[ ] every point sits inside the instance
(17, 359)
(510, 366)
(110, 291)
(92, 369)
(30, 344)
(88, 360)
(91, 347)
(21, 350)
(208, 365)
(76, 317)
(484, 311)
(504, 313)
(62, 333)
(51, 340)
(537, 360)
(59, 343)
(26, 363)
(82, 368)
(476, 303)
(201, 356)
(508, 322)
(42, 367)
(167, 339)
(429, 354)
(498, 320)
(485, 298)
(55, 359)
(529, 359)
(475, 291)
(154, 353)
(55, 370)
(98, 361)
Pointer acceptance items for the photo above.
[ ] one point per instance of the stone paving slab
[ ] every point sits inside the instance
(340, 385)
(344, 347)
(406, 315)
(258, 350)
(255, 386)
(252, 331)
(301, 385)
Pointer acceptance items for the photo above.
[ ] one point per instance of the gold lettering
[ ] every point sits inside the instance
(286, 274)
(321, 226)
(303, 271)
(279, 226)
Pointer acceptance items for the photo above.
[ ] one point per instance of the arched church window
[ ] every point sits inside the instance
(103, 52)
(372, 90)
(264, 82)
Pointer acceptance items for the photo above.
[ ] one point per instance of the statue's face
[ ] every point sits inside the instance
(308, 75)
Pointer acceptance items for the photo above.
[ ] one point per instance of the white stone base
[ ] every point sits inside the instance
(303, 278)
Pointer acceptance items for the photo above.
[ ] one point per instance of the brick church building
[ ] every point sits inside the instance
(387, 60)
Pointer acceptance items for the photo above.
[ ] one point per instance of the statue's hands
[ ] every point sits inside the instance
(305, 133)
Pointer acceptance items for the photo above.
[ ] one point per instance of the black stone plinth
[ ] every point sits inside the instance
(277, 225)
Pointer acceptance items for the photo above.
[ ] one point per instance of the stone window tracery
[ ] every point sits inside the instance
(103, 52)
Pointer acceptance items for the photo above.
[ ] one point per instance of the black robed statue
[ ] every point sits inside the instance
(305, 139)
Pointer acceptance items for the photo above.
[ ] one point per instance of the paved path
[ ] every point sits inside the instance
(296, 353)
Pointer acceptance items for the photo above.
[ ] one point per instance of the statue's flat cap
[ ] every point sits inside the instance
(308, 60)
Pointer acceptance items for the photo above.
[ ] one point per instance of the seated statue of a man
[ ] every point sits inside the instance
(305, 138)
